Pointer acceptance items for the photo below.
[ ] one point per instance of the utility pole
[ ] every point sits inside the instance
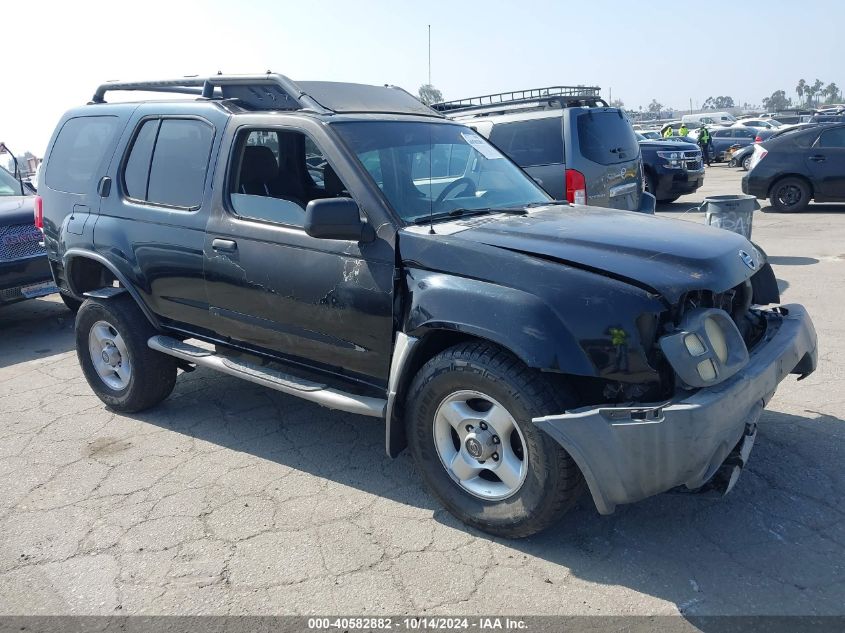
(429, 54)
(690, 105)
(610, 95)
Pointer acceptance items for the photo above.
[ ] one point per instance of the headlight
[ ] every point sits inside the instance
(674, 160)
(706, 349)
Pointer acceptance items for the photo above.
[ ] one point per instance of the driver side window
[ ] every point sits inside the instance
(275, 173)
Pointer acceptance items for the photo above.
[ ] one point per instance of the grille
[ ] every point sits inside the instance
(10, 294)
(692, 159)
(20, 241)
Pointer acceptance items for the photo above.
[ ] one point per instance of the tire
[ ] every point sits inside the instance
(790, 195)
(71, 303)
(545, 481)
(648, 182)
(116, 330)
(668, 200)
(746, 162)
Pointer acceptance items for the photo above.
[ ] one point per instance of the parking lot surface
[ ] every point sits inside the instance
(233, 499)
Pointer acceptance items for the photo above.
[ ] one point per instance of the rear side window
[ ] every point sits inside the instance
(833, 138)
(606, 138)
(168, 161)
(530, 143)
(78, 152)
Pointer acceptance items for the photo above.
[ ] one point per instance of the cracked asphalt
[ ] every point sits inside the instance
(233, 499)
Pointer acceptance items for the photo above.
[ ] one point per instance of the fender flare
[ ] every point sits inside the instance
(103, 293)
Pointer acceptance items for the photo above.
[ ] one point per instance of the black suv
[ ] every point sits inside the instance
(567, 138)
(671, 169)
(295, 235)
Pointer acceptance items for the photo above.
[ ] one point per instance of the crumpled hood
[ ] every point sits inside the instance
(16, 210)
(669, 257)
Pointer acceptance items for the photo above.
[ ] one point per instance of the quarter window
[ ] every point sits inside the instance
(78, 151)
(833, 138)
(168, 162)
(532, 142)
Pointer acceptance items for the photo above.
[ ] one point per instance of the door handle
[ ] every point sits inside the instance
(104, 187)
(818, 158)
(227, 246)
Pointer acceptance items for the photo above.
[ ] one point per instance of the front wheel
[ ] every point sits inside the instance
(471, 435)
(111, 343)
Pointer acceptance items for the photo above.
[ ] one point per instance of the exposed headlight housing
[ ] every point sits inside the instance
(706, 349)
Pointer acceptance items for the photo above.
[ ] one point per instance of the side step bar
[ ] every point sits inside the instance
(275, 379)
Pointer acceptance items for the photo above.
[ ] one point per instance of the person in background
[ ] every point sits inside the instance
(666, 132)
(704, 142)
(684, 130)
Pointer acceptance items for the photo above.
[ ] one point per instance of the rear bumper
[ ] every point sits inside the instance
(755, 187)
(630, 453)
(18, 275)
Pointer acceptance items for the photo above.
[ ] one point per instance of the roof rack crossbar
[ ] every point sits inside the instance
(221, 86)
(568, 93)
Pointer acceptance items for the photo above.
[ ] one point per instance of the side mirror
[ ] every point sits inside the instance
(337, 219)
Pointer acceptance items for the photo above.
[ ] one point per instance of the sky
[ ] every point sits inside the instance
(57, 52)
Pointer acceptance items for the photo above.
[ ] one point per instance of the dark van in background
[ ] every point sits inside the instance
(566, 138)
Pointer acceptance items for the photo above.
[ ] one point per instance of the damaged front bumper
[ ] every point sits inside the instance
(630, 453)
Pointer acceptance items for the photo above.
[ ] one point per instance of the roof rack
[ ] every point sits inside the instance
(272, 91)
(566, 96)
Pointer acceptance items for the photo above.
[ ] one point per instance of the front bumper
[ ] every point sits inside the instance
(672, 183)
(25, 278)
(630, 453)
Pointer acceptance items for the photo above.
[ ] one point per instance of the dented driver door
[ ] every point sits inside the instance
(272, 287)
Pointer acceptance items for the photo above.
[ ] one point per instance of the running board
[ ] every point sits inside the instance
(268, 377)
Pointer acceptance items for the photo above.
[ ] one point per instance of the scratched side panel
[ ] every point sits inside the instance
(325, 301)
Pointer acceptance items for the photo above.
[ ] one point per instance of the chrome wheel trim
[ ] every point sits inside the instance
(498, 472)
(109, 356)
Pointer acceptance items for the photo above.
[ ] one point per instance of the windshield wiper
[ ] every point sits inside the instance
(462, 212)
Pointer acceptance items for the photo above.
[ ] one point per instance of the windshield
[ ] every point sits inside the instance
(435, 168)
(9, 186)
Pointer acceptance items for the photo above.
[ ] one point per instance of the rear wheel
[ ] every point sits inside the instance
(669, 200)
(746, 162)
(111, 343)
(471, 434)
(790, 194)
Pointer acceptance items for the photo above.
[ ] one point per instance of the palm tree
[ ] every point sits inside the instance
(831, 92)
(800, 90)
(818, 88)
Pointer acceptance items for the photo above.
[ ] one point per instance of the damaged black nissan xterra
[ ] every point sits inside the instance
(347, 245)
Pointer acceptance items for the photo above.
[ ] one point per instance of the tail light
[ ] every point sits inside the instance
(39, 213)
(576, 187)
(758, 139)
